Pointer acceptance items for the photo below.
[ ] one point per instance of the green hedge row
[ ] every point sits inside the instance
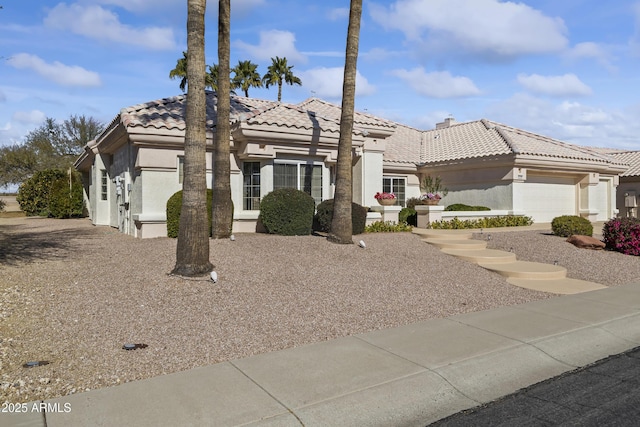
(489, 222)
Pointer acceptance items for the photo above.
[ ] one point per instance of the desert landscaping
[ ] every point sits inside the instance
(72, 294)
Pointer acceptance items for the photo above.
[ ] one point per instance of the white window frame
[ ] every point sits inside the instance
(401, 200)
(299, 163)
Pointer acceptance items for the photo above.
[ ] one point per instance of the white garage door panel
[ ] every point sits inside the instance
(549, 197)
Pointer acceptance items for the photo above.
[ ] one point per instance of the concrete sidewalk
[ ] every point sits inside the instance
(411, 375)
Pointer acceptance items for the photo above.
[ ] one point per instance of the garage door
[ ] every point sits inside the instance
(547, 197)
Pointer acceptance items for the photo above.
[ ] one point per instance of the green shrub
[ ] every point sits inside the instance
(174, 207)
(288, 212)
(622, 235)
(34, 193)
(324, 215)
(387, 227)
(3, 204)
(408, 216)
(462, 207)
(489, 222)
(65, 203)
(567, 225)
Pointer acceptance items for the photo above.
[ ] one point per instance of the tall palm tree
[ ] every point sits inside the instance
(192, 252)
(280, 72)
(246, 76)
(341, 227)
(222, 207)
(180, 71)
(212, 76)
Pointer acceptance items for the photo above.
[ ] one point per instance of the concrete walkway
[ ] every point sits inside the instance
(409, 376)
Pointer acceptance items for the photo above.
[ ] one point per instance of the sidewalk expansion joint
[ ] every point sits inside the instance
(269, 393)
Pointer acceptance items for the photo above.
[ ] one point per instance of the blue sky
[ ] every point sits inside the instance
(566, 69)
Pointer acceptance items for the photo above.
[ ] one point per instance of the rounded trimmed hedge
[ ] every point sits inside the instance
(287, 212)
(324, 216)
(567, 225)
(174, 207)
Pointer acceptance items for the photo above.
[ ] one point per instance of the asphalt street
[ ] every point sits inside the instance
(606, 393)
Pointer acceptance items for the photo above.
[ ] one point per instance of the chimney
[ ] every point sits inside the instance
(446, 123)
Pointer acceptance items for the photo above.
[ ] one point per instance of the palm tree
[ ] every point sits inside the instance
(222, 207)
(212, 77)
(192, 252)
(180, 71)
(341, 226)
(280, 72)
(246, 76)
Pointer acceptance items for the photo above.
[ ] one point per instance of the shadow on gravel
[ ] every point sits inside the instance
(19, 245)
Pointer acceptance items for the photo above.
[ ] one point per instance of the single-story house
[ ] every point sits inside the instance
(132, 168)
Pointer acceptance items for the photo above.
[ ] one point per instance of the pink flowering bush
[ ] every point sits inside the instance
(622, 235)
(384, 196)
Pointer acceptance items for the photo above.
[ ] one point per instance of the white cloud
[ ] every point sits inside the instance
(338, 14)
(327, 82)
(591, 50)
(98, 23)
(65, 75)
(569, 121)
(141, 5)
(33, 117)
(437, 84)
(274, 43)
(565, 85)
(480, 27)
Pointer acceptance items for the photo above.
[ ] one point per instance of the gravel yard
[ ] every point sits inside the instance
(73, 294)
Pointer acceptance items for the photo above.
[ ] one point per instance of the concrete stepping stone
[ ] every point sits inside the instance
(488, 256)
(527, 270)
(443, 243)
(443, 234)
(566, 286)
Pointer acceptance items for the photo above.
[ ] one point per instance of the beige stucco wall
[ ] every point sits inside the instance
(628, 185)
(491, 187)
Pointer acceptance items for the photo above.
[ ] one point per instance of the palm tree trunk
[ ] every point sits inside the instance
(280, 91)
(341, 226)
(222, 208)
(192, 253)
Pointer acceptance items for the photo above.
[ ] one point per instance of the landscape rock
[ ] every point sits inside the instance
(586, 242)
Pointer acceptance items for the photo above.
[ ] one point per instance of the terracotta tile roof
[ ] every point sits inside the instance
(484, 138)
(333, 112)
(631, 158)
(463, 140)
(169, 113)
(404, 146)
(475, 139)
(292, 116)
